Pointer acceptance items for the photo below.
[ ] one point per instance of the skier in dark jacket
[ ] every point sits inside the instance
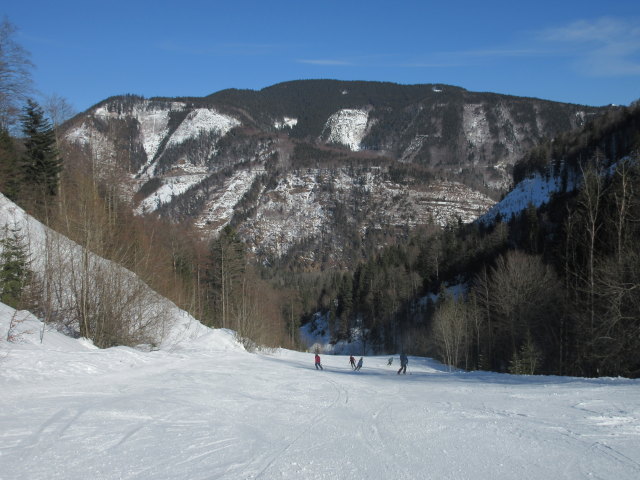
(359, 364)
(403, 363)
(318, 364)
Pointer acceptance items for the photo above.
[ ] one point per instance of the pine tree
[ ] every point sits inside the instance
(41, 163)
(14, 267)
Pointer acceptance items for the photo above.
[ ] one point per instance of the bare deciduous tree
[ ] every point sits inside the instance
(450, 331)
(15, 75)
(524, 299)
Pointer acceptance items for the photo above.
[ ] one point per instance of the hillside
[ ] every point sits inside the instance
(80, 293)
(360, 160)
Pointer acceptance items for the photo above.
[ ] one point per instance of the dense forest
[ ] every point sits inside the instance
(553, 290)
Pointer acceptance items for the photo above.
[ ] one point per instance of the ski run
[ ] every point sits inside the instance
(201, 407)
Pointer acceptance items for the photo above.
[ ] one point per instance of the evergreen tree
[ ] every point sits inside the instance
(41, 164)
(14, 267)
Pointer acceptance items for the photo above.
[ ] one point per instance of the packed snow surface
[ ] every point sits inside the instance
(204, 408)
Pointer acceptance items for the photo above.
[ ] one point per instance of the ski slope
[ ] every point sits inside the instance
(206, 409)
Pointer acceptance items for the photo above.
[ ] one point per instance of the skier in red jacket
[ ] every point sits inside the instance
(318, 364)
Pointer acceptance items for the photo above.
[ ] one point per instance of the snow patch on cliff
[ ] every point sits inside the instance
(203, 120)
(475, 125)
(347, 127)
(172, 187)
(153, 118)
(288, 213)
(219, 208)
(285, 123)
(80, 135)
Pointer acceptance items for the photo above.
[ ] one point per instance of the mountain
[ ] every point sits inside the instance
(319, 169)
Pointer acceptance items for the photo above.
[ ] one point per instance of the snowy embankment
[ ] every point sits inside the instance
(206, 408)
(146, 313)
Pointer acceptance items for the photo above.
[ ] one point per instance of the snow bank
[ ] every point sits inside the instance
(174, 324)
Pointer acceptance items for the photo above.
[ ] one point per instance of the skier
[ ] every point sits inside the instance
(318, 364)
(390, 361)
(359, 364)
(352, 362)
(403, 363)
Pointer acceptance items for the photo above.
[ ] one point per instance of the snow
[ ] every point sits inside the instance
(219, 208)
(285, 123)
(535, 190)
(152, 117)
(199, 406)
(167, 323)
(205, 408)
(347, 127)
(202, 120)
(475, 125)
(172, 187)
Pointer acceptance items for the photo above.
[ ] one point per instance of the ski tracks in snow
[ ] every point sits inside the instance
(311, 424)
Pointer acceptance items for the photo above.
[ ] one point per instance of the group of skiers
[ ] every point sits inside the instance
(404, 361)
(352, 362)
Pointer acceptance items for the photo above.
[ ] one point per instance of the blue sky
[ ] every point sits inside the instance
(584, 52)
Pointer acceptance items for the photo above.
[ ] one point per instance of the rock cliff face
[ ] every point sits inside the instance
(314, 167)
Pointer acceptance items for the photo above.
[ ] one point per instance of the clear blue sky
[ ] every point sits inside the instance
(585, 52)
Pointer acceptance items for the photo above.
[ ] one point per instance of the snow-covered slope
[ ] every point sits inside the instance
(208, 409)
(149, 123)
(154, 317)
(347, 127)
(218, 210)
(171, 188)
(535, 190)
(202, 120)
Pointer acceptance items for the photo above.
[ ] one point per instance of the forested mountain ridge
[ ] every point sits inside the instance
(550, 276)
(360, 161)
